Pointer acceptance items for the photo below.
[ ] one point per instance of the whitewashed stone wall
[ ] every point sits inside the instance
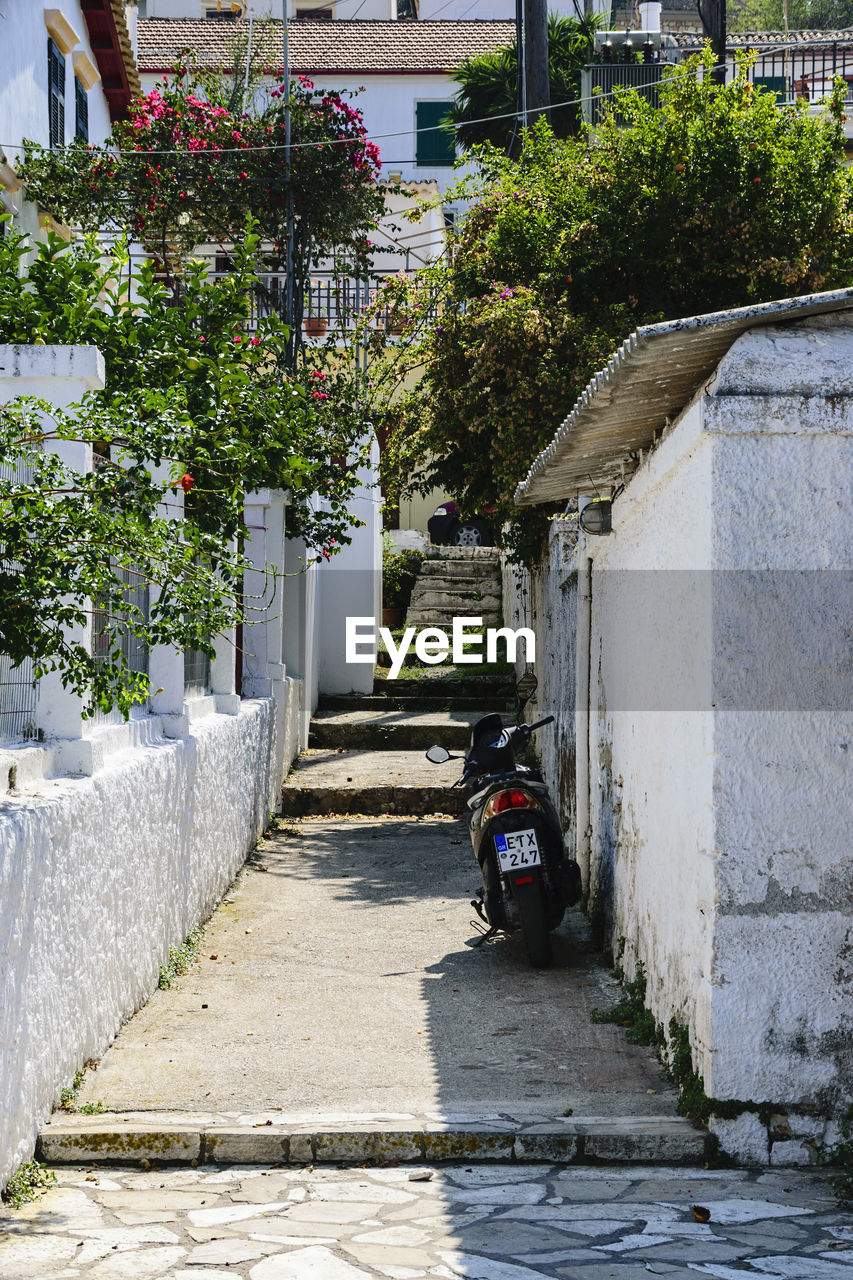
(117, 839)
(98, 878)
(720, 732)
(545, 600)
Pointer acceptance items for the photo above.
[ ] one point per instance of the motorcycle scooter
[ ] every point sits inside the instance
(528, 882)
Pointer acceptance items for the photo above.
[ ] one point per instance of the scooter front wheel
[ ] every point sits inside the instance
(534, 926)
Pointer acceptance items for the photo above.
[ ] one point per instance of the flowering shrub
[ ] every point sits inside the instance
(717, 199)
(188, 166)
(185, 387)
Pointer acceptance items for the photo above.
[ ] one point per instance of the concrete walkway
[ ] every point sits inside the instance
(339, 1006)
(338, 976)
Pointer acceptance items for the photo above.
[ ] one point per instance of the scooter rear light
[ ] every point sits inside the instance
(512, 799)
(524, 880)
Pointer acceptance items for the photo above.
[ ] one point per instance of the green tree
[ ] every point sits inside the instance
(803, 15)
(716, 199)
(489, 86)
(199, 155)
(191, 390)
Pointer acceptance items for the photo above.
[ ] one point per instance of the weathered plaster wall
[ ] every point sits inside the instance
(784, 734)
(545, 600)
(721, 727)
(98, 878)
(650, 741)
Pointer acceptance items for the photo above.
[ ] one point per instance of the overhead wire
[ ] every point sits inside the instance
(398, 133)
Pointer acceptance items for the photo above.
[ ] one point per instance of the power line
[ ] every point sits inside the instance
(402, 133)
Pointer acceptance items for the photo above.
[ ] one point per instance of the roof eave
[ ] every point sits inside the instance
(109, 40)
(653, 376)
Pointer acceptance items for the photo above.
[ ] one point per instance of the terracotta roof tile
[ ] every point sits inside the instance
(761, 39)
(319, 47)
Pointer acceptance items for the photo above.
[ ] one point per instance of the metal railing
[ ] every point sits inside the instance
(791, 71)
(196, 672)
(327, 303)
(794, 70)
(134, 652)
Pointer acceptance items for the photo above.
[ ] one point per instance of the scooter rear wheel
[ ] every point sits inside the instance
(534, 926)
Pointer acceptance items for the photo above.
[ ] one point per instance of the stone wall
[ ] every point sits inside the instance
(719, 732)
(99, 877)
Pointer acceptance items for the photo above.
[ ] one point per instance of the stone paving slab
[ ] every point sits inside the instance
(338, 976)
(329, 781)
(484, 1222)
(264, 1139)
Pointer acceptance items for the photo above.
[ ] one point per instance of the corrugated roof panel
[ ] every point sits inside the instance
(653, 375)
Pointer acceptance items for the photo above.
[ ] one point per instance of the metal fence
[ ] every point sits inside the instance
(795, 70)
(329, 304)
(792, 71)
(18, 685)
(134, 652)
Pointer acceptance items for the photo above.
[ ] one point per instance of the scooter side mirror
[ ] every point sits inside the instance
(437, 755)
(526, 687)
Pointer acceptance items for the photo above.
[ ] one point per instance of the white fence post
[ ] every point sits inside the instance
(61, 375)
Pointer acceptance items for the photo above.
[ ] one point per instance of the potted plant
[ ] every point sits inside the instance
(399, 570)
(315, 326)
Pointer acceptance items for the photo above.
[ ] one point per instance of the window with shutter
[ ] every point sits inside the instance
(435, 148)
(81, 111)
(56, 94)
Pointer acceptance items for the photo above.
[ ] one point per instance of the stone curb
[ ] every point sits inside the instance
(112, 1139)
(384, 737)
(302, 801)
(406, 702)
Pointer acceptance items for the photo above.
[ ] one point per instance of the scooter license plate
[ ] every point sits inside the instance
(517, 849)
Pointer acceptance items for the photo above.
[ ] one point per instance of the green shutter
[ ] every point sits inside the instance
(56, 94)
(777, 84)
(434, 148)
(81, 110)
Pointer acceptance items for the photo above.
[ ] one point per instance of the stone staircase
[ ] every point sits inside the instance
(457, 582)
(366, 751)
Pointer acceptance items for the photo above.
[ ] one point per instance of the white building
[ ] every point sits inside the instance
(405, 69)
(66, 70)
(712, 697)
(346, 10)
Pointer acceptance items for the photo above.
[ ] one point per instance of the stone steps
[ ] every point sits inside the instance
(391, 729)
(358, 781)
(457, 582)
(387, 702)
(153, 1138)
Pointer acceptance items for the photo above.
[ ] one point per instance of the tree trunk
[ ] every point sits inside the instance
(536, 59)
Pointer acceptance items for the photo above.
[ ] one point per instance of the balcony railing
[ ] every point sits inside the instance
(329, 304)
(791, 71)
(795, 70)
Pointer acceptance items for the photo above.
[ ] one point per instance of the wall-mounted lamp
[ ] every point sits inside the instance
(596, 516)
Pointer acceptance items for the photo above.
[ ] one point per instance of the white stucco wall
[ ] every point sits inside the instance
(350, 585)
(98, 878)
(117, 839)
(720, 726)
(24, 100)
(23, 77)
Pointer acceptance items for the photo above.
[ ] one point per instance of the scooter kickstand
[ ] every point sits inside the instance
(484, 937)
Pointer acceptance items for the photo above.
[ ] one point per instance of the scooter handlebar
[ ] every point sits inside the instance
(538, 724)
